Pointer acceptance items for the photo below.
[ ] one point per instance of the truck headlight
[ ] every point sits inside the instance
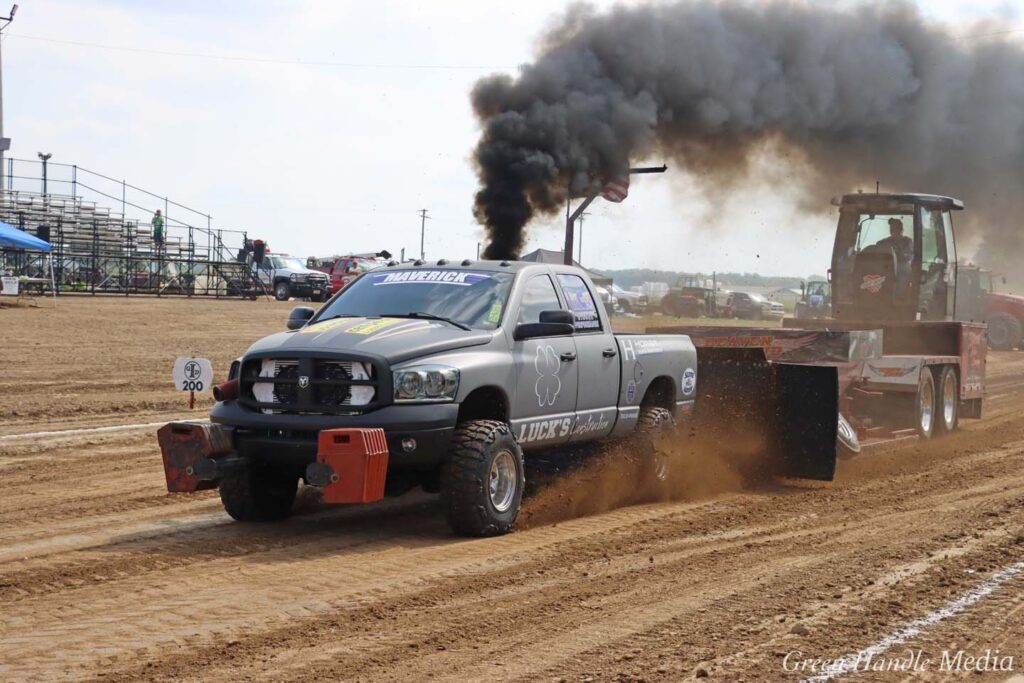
(426, 383)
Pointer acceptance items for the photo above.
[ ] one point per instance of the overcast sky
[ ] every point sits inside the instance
(327, 125)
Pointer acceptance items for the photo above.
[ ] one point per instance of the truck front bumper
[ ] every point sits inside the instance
(293, 438)
(307, 289)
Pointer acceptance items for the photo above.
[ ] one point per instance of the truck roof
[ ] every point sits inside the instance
(471, 264)
(865, 198)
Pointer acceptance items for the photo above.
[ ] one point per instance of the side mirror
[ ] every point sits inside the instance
(559, 316)
(299, 317)
(535, 330)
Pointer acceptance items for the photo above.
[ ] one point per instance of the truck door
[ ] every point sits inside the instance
(934, 301)
(598, 362)
(951, 264)
(544, 407)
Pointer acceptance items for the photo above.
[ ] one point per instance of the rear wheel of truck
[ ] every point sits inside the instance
(282, 291)
(1004, 332)
(259, 494)
(655, 463)
(949, 399)
(482, 480)
(925, 405)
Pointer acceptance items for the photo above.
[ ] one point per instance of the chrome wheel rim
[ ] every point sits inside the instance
(949, 399)
(502, 481)
(927, 402)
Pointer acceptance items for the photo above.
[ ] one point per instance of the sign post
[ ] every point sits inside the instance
(9, 286)
(192, 375)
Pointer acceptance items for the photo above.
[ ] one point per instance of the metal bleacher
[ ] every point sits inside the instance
(98, 249)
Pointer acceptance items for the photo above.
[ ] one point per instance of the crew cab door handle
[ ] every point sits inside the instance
(609, 353)
(568, 356)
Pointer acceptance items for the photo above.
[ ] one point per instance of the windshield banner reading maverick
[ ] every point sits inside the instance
(449, 277)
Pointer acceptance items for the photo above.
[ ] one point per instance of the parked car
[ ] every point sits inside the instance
(611, 304)
(630, 302)
(755, 307)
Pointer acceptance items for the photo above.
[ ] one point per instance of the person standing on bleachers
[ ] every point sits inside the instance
(158, 231)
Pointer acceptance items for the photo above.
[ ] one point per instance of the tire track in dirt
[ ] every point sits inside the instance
(571, 535)
(536, 630)
(129, 583)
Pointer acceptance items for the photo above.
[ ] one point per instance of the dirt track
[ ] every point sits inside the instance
(102, 574)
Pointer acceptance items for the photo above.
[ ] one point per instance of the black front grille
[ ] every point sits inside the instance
(309, 385)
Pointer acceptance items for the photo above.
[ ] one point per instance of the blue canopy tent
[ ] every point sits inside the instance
(13, 238)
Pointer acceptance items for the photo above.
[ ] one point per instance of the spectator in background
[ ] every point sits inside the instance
(158, 231)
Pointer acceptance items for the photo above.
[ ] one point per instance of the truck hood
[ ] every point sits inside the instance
(396, 339)
(1014, 299)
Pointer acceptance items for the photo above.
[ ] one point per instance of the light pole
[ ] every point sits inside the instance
(579, 252)
(44, 158)
(570, 218)
(5, 143)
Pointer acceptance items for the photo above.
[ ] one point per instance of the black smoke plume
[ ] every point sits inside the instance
(844, 96)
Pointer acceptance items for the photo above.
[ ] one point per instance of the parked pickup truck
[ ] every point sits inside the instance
(343, 270)
(754, 307)
(288, 277)
(462, 367)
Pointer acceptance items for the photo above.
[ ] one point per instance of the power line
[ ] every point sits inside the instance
(260, 60)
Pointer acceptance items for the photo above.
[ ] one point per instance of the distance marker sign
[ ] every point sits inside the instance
(193, 374)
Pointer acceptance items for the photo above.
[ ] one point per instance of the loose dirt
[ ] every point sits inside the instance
(105, 576)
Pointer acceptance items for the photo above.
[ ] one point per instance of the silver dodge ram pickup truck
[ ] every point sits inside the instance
(464, 366)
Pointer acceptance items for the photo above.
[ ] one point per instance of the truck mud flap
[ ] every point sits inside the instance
(189, 449)
(769, 418)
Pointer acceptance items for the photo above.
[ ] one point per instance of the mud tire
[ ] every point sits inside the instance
(468, 490)
(655, 465)
(1004, 332)
(259, 494)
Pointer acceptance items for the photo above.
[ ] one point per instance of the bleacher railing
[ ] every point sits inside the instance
(97, 249)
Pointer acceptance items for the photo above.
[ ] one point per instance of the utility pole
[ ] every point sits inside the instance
(5, 143)
(423, 232)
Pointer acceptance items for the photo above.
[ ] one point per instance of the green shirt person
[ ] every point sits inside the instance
(158, 229)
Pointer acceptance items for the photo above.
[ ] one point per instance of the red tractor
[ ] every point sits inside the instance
(977, 300)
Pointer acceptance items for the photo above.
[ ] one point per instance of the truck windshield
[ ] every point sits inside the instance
(985, 281)
(284, 263)
(817, 289)
(473, 298)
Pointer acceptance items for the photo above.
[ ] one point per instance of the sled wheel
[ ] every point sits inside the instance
(949, 399)
(925, 405)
